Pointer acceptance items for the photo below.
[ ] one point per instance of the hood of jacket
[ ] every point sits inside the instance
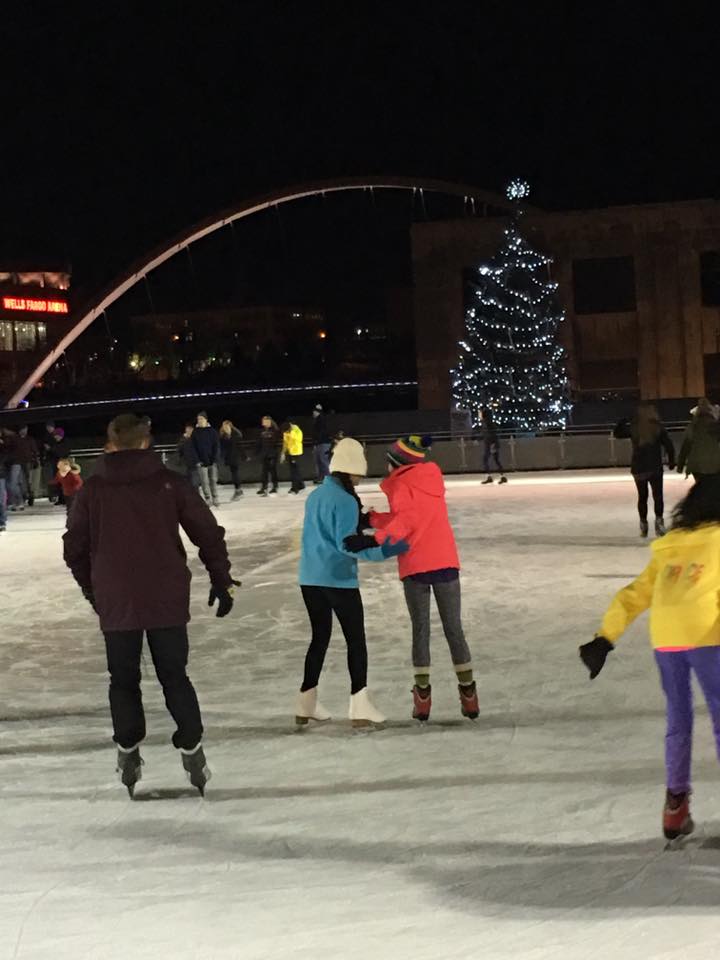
(426, 478)
(128, 466)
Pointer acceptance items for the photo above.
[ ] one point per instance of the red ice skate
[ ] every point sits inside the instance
(422, 701)
(469, 706)
(677, 821)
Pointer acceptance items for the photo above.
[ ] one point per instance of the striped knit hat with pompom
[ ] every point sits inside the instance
(409, 450)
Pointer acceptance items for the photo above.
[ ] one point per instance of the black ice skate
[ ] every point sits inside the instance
(129, 766)
(644, 528)
(195, 765)
(503, 479)
(660, 527)
(488, 480)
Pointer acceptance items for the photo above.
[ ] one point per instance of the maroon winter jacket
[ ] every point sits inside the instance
(123, 541)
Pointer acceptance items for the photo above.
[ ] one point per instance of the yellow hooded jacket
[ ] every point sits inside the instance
(293, 441)
(681, 586)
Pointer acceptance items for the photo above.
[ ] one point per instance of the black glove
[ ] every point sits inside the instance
(224, 596)
(358, 542)
(90, 597)
(594, 654)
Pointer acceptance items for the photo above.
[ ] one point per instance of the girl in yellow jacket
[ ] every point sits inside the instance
(292, 451)
(681, 587)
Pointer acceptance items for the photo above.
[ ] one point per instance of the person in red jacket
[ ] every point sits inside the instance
(418, 514)
(124, 549)
(69, 480)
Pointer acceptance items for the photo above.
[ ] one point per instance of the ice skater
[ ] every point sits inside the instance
(329, 582)
(418, 515)
(206, 441)
(699, 455)
(292, 451)
(231, 445)
(649, 439)
(68, 479)
(680, 585)
(491, 440)
(269, 448)
(123, 547)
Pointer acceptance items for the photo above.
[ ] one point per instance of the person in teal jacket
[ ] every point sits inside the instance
(329, 582)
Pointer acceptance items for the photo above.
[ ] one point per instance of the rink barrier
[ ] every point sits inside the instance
(594, 448)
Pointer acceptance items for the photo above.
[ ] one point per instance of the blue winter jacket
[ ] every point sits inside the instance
(331, 514)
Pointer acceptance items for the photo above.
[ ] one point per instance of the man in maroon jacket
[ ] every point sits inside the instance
(124, 549)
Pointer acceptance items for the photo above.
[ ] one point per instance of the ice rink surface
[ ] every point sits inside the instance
(533, 833)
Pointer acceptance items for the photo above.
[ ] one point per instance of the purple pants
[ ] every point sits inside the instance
(675, 669)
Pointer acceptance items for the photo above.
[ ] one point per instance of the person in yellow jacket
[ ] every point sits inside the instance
(681, 587)
(292, 451)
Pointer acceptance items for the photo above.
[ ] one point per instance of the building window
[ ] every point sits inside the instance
(604, 285)
(41, 334)
(25, 336)
(6, 335)
(710, 278)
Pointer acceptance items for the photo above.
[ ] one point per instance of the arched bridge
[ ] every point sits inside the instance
(473, 197)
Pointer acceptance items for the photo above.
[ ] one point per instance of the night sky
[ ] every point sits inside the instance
(130, 122)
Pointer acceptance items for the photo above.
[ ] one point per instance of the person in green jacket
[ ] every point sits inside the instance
(700, 450)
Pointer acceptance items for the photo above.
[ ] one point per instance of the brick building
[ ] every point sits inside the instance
(640, 286)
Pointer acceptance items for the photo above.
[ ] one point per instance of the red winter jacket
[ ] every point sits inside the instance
(69, 484)
(418, 514)
(123, 541)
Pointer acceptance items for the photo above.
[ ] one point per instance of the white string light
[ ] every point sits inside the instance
(509, 359)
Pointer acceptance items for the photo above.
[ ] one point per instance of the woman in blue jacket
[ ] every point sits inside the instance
(329, 582)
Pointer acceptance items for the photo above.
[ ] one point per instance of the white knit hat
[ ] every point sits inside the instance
(349, 457)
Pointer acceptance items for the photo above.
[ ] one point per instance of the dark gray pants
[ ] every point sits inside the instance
(447, 597)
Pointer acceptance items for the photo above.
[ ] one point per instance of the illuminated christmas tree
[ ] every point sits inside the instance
(510, 359)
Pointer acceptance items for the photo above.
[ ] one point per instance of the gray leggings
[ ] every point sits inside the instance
(447, 597)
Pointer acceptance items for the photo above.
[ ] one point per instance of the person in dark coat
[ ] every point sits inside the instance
(188, 456)
(322, 444)
(231, 440)
(207, 446)
(492, 446)
(269, 448)
(649, 440)
(700, 450)
(27, 456)
(124, 549)
(4, 470)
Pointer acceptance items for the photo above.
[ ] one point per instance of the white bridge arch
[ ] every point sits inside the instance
(141, 268)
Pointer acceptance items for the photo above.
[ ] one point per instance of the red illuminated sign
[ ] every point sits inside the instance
(33, 305)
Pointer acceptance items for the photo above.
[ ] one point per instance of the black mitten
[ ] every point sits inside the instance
(358, 542)
(594, 654)
(224, 597)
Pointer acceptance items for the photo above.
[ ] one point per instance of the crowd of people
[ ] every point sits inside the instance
(29, 466)
(202, 450)
(122, 547)
(25, 465)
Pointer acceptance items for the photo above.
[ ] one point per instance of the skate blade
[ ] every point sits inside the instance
(305, 721)
(367, 725)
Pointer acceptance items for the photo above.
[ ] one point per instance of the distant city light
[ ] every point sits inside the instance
(175, 337)
(322, 335)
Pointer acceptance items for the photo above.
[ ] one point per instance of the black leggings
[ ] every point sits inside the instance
(269, 472)
(169, 652)
(655, 483)
(492, 449)
(321, 603)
